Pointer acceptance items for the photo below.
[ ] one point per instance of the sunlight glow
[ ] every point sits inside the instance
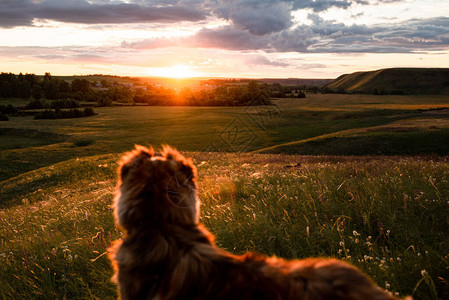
(177, 71)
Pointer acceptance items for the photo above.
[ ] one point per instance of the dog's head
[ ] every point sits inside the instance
(156, 188)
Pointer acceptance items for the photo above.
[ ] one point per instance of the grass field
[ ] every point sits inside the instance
(386, 214)
(319, 125)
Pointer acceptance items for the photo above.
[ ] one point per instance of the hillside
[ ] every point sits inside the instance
(386, 216)
(406, 81)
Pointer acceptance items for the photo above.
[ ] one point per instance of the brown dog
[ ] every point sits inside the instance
(166, 254)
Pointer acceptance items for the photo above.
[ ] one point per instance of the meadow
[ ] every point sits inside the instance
(365, 179)
(321, 124)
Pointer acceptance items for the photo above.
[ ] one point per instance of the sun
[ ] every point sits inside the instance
(177, 71)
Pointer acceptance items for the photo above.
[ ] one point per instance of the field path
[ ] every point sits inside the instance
(315, 138)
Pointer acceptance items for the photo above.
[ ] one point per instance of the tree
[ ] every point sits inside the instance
(51, 90)
(80, 85)
(5, 89)
(24, 89)
(36, 92)
(47, 76)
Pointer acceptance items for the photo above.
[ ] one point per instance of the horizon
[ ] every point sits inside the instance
(218, 78)
(222, 39)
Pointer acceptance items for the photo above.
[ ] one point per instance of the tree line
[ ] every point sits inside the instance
(45, 92)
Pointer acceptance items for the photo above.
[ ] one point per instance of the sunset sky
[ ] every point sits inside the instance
(221, 38)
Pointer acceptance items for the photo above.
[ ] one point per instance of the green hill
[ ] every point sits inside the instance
(402, 81)
(386, 216)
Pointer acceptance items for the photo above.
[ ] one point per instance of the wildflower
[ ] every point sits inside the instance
(356, 241)
(424, 273)
(398, 259)
(342, 243)
(355, 233)
(387, 285)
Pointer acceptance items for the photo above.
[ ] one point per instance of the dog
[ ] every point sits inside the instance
(167, 254)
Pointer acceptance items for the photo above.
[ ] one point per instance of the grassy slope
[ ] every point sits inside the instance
(407, 80)
(388, 216)
(228, 129)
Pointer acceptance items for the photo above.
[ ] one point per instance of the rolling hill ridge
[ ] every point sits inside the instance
(400, 81)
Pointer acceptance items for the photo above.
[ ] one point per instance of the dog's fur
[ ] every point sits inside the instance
(166, 254)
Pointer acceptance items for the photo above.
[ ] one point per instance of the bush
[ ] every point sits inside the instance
(65, 103)
(47, 114)
(104, 101)
(89, 111)
(8, 110)
(3, 117)
(65, 114)
(36, 104)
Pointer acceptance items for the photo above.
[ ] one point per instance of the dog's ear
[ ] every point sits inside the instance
(180, 164)
(133, 159)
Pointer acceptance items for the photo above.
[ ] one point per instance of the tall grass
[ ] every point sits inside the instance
(389, 217)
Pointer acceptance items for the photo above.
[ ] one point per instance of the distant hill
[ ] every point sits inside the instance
(297, 81)
(400, 81)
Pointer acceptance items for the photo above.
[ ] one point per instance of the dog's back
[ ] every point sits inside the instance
(167, 255)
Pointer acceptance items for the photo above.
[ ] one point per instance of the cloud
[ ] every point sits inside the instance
(259, 60)
(15, 13)
(320, 37)
(258, 17)
(225, 37)
(322, 5)
(23, 12)
(409, 36)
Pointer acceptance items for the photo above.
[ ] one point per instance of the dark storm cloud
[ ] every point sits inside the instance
(23, 12)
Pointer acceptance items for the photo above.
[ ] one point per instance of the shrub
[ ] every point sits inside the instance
(46, 114)
(8, 109)
(37, 104)
(89, 111)
(65, 114)
(3, 117)
(65, 103)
